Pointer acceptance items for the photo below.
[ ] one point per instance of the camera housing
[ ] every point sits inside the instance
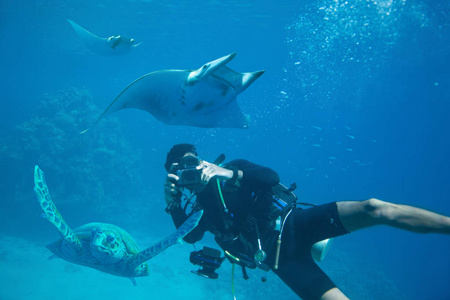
(187, 171)
(209, 260)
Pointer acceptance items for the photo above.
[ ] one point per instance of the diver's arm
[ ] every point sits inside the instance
(254, 175)
(240, 170)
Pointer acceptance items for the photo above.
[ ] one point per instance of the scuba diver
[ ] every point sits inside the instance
(256, 222)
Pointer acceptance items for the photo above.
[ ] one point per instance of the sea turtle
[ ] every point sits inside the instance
(101, 246)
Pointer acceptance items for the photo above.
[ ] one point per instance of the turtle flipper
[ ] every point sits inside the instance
(133, 281)
(49, 208)
(171, 240)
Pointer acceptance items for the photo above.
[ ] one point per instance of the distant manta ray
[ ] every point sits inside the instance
(113, 45)
(205, 97)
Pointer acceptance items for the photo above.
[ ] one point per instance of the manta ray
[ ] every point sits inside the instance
(114, 45)
(205, 97)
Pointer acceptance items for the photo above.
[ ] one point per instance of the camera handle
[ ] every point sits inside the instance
(220, 159)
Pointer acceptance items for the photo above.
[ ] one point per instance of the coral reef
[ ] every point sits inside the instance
(93, 172)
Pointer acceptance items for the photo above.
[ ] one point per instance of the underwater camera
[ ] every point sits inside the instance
(209, 260)
(187, 172)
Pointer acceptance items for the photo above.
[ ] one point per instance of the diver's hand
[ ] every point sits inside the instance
(210, 170)
(172, 191)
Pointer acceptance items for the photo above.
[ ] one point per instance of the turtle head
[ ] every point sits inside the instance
(107, 246)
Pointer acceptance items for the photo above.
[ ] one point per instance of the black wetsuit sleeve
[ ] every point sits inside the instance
(179, 217)
(255, 177)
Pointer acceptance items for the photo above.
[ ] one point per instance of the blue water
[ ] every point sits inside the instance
(354, 104)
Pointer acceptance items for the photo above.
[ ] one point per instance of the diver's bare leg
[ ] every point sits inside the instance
(334, 294)
(357, 215)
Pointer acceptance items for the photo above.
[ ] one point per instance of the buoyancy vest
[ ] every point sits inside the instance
(244, 235)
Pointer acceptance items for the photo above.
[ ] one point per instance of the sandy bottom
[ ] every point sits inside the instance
(26, 273)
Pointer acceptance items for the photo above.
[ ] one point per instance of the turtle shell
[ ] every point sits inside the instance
(104, 247)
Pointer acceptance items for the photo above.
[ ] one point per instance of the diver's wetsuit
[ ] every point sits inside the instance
(304, 228)
(235, 230)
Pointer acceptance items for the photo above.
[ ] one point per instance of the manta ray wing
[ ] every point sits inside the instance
(228, 116)
(156, 93)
